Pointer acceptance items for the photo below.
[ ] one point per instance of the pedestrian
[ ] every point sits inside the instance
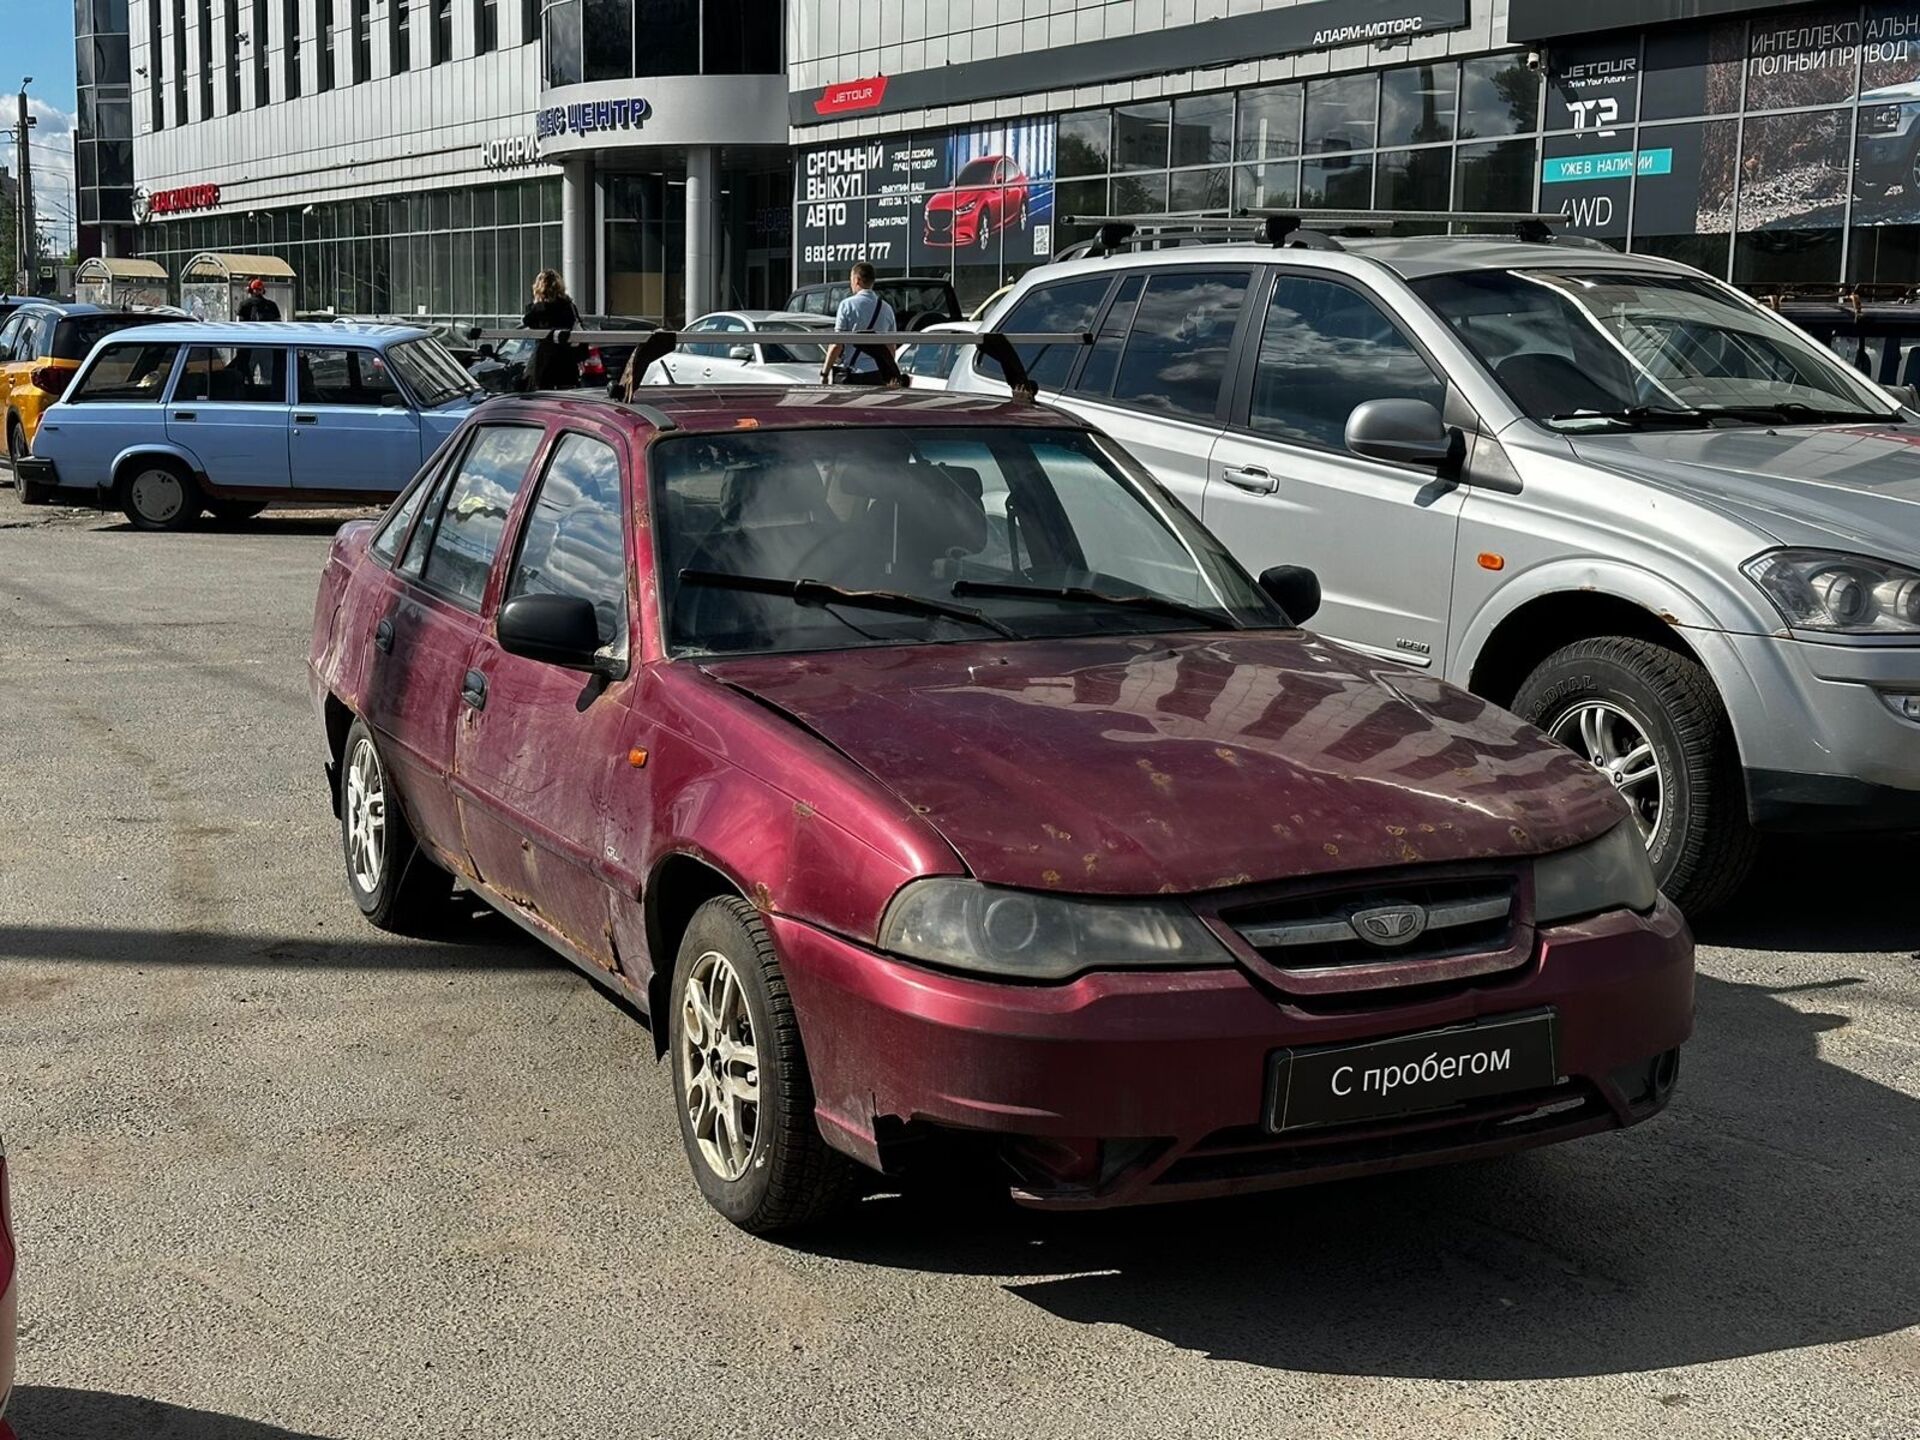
(554, 366)
(257, 305)
(860, 312)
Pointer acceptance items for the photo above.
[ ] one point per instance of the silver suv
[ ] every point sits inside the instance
(1606, 491)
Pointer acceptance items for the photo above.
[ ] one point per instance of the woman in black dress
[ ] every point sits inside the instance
(553, 367)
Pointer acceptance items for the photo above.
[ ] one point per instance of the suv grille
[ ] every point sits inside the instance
(1415, 932)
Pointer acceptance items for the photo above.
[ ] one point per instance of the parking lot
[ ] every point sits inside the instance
(276, 1174)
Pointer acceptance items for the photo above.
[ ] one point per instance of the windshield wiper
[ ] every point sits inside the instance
(1794, 412)
(819, 592)
(1640, 414)
(1158, 604)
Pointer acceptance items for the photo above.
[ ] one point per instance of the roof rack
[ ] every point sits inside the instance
(1854, 295)
(877, 345)
(1295, 228)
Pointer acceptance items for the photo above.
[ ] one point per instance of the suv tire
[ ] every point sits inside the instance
(729, 1017)
(393, 882)
(17, 447)
(1592, 693)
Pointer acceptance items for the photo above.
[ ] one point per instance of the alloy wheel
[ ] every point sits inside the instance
(365, 804)
(158, 495)
(1615, 743)
(720, 1066)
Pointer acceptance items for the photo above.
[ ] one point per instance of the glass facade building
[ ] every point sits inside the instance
(103, 130)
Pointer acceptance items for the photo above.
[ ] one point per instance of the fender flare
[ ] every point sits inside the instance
(149, 447)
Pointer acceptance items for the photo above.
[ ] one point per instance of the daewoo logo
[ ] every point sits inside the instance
(851, 95)
(1390, 925)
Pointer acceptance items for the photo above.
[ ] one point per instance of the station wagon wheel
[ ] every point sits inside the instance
(158, 493)
(1649, 719)
(395, 885)
(740, 1078)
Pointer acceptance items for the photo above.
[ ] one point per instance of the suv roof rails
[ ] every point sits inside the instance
(1287, 228)
(1852, 294)
(878, 345)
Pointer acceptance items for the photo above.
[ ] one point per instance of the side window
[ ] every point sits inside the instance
(573, 542)
(460, 544)
(386, 544)
(127, 372)
(248, 375)
(1324, 349)
(1066, 306)
(1176, 355)
(346, 377)
(40, 336)
(9, 334)
(1096, 376)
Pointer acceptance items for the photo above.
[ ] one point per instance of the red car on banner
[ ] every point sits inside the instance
(987, 196)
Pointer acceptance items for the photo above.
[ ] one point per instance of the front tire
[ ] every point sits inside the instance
(740, 1078)
(159, 493)
(1650, 720)
(395, 885)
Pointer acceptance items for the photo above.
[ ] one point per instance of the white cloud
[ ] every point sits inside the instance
(52, 141)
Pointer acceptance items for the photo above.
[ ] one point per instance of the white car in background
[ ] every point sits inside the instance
(928, 366)
(734, 357)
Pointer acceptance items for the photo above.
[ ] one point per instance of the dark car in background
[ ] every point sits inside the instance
(917, 300)
(1876, 331)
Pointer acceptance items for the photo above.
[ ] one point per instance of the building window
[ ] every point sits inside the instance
(290, 13)
(486, 27)
(262, 83)
(156, 90)
(206, 59)
(400, 35)
(529, 21)
(326, 45)
(233, 56)
(179, 62)
(442, 31)
(362, 40)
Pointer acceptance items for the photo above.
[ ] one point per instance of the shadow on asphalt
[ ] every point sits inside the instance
(51, 1412)
(1769, 1209)
(270, 522)
(1826, 895)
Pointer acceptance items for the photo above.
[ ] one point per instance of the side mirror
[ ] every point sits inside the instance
(740, 352)
(553, 629)
(1295, 589)
(1907, 395)
(1403, 432)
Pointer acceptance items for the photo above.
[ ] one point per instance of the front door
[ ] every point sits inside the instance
(229, 409)
(540, 763)
(351, 427)
(1282, 488)
(418, 693)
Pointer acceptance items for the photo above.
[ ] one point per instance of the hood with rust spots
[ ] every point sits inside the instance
(1134, 764)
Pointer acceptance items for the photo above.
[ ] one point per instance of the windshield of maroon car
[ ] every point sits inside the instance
(931, 518)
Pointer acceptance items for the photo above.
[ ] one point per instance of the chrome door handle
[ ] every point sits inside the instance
(184, 415)
(1251, 478)
(306, 419)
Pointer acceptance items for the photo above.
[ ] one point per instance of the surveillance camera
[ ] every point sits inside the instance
(307, 210)
(1534, 61)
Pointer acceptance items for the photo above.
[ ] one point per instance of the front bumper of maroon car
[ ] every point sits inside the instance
(1125, 1087)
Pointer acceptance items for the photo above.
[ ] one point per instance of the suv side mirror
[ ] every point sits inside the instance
(740, 352)
(553, 629)
(1403, 432)
(1907, 395)
(1295, 589)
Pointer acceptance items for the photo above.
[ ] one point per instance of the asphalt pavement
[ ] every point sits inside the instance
(277, 1175)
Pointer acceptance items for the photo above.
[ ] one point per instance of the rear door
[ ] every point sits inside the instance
(114, 405)
(352, 427)
(1282, 487)
(229, 408)
(417, 677)
(539, 760)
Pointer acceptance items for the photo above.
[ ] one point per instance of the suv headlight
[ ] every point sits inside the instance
(1611, 873)
(1839, 593)
(965, 925)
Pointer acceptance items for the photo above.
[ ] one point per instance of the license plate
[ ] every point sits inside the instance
(1335, 1084)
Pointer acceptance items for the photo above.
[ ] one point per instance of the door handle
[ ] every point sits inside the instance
(299, 419)
(1250, 478)
(185, 415)
(383, 636)
(473, 690)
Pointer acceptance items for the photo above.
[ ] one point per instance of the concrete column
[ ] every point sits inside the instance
(576, 230)
(702, 281)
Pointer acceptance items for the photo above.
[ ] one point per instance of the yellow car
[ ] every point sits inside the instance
(41, 345)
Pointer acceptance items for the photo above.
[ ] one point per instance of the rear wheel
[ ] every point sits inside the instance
(158, 493)
(1649, 720)
(396, 886)
(17, 449)
(741, 1080)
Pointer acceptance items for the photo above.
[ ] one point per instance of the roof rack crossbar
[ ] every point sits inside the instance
(1288, 227)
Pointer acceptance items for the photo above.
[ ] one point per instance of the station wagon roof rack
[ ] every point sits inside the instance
(879, 345)
(1288, 229)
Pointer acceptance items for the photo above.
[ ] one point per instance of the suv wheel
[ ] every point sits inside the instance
(17, 449)
(158, 494)
(396, 886)
(740, 1078)
(1650, 720)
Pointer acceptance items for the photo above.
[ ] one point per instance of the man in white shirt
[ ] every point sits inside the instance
(863, 310)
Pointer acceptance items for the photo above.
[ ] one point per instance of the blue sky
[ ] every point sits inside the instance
(39, 42)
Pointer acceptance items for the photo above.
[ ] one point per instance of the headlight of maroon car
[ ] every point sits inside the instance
(1611, 873)
(964, 925)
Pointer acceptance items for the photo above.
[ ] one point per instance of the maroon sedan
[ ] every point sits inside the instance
(938, 786)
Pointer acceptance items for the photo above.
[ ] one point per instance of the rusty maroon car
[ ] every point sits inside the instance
(943, 792)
